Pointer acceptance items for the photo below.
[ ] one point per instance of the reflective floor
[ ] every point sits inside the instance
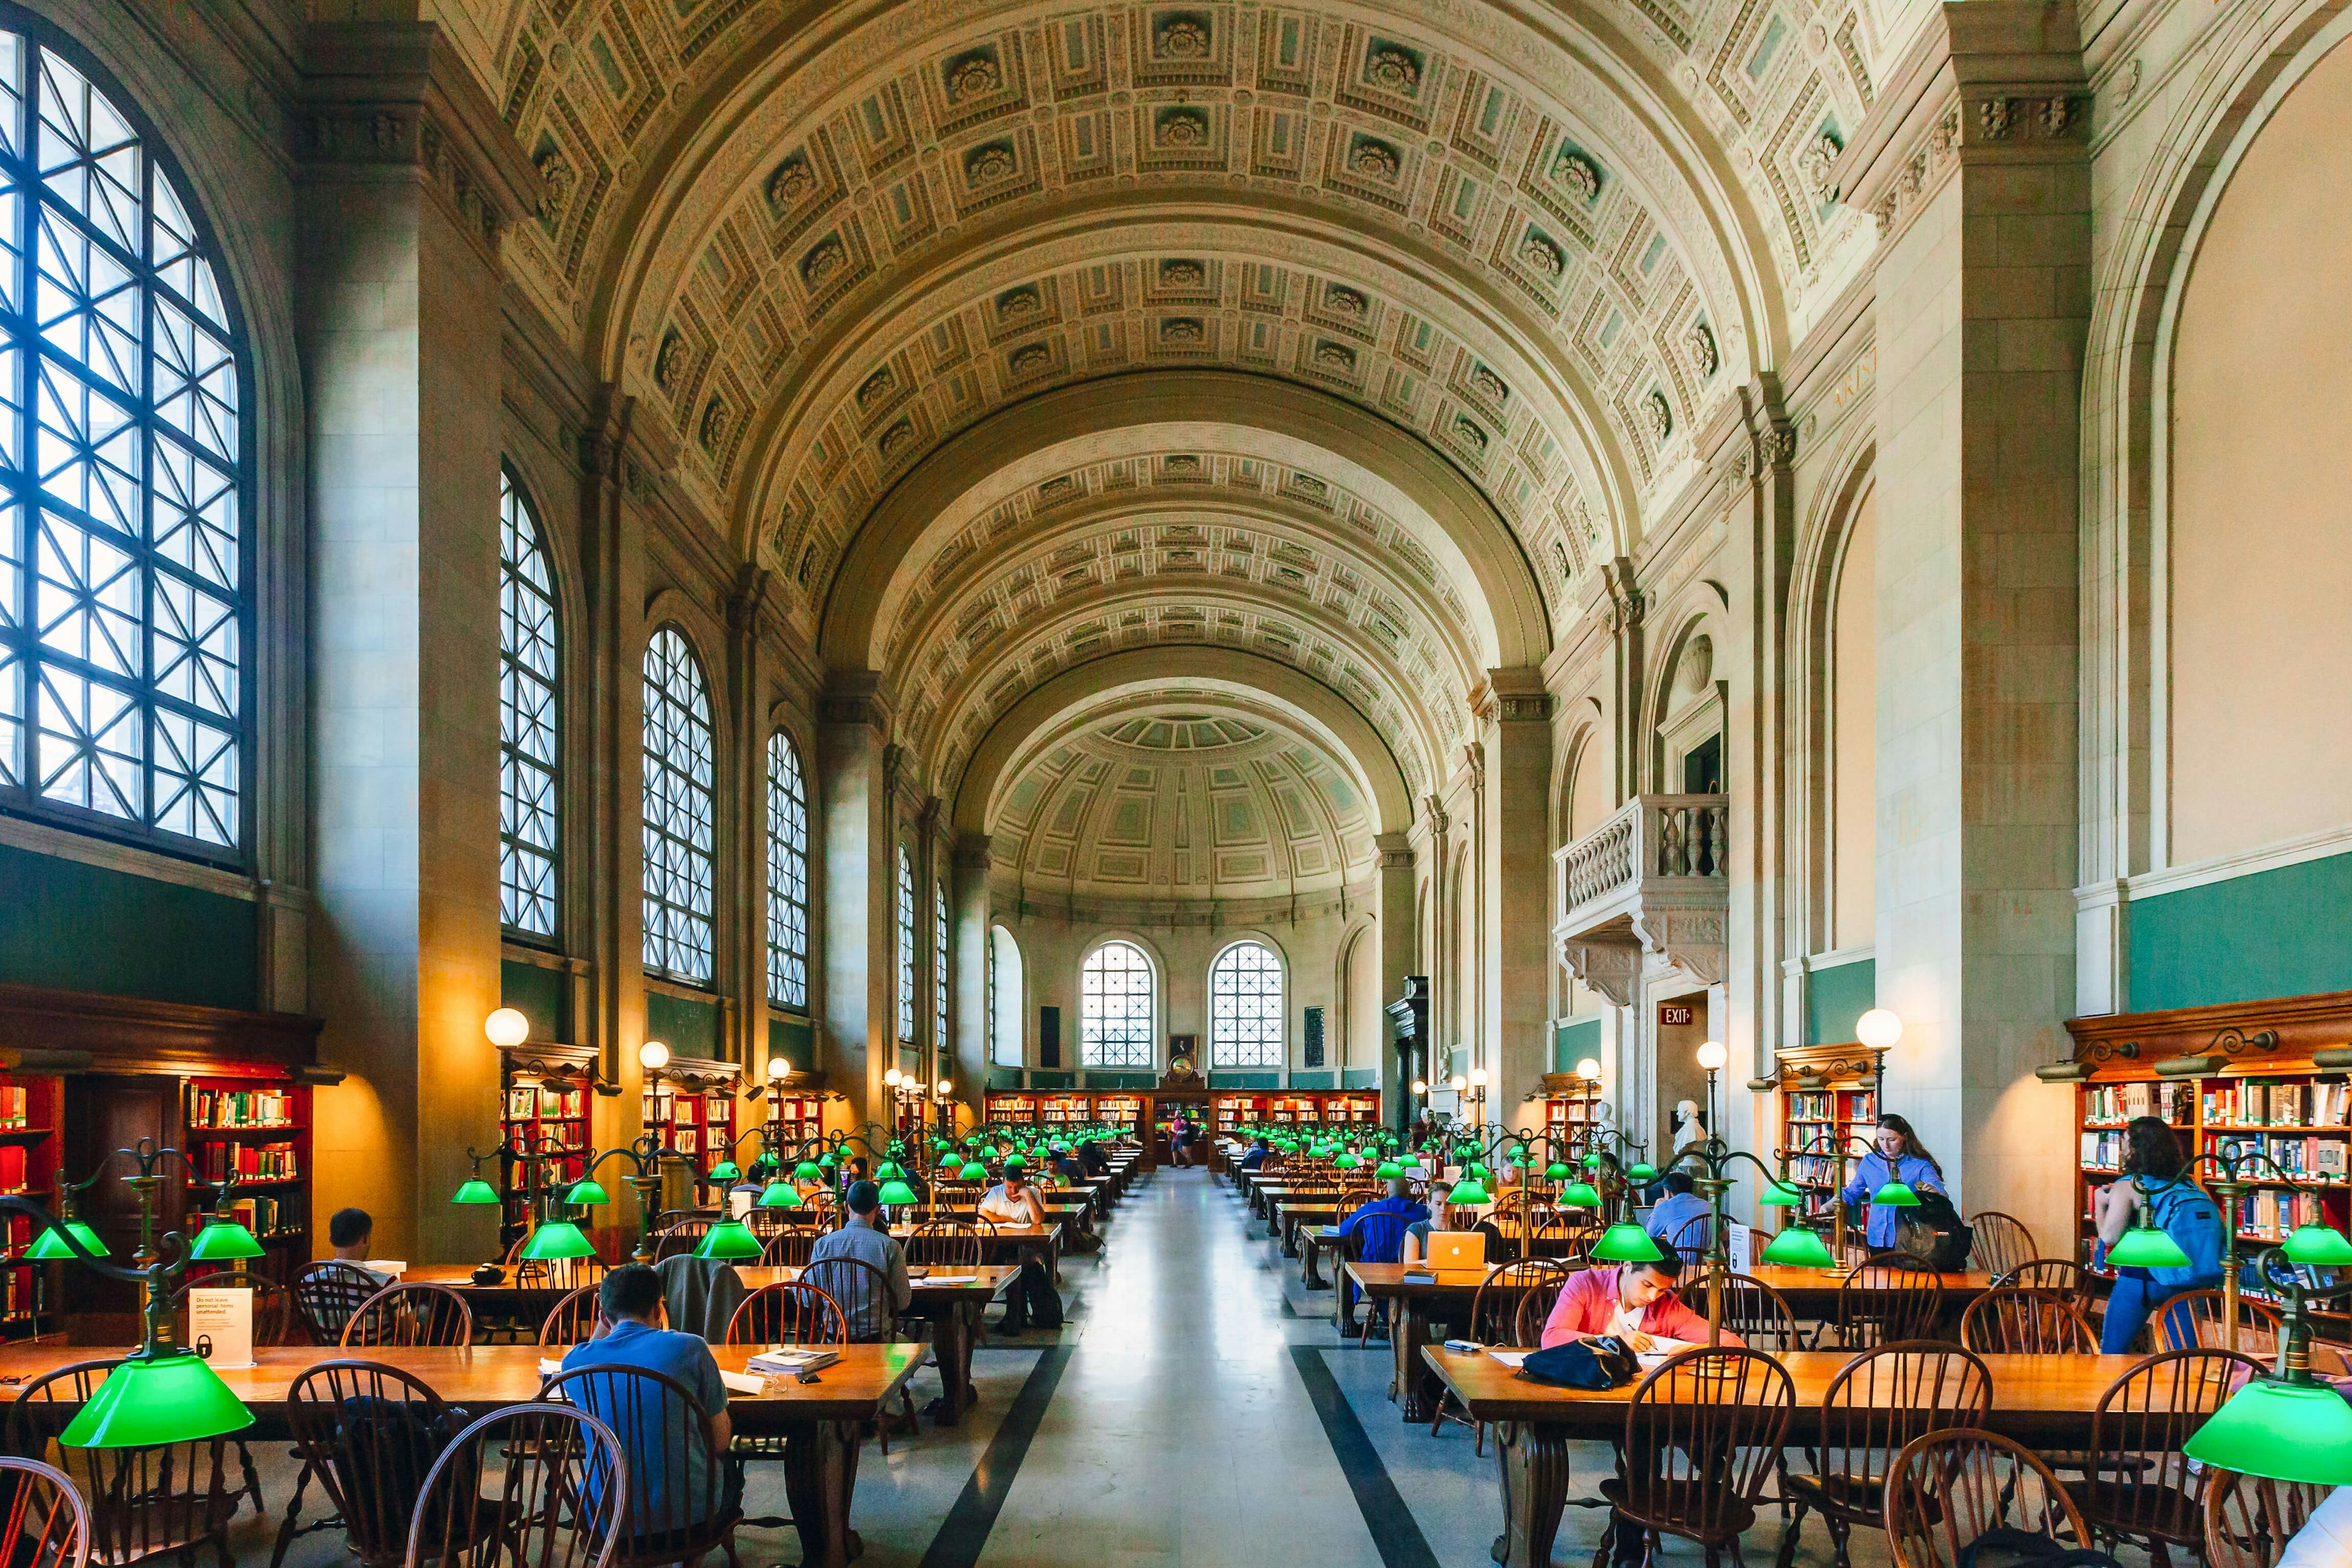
(1197, 1409)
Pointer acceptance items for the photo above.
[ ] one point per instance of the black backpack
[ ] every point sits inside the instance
(1605, 1362)
(1934, 1234)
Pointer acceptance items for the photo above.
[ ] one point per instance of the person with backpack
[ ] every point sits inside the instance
(1898, 1157)
(2153, 1192)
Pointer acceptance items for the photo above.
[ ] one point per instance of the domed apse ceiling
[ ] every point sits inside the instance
(1182, 802)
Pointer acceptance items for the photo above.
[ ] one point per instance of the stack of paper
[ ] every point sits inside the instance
(791, 1361)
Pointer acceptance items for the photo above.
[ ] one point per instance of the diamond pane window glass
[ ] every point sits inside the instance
(527, 725)
(678, 811)
(1115, 1007)
(939, 966)
(123, 611)
(906, 947)
(788, 850)
(1245, 1007)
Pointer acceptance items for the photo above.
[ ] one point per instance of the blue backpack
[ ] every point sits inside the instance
(2184, 1212)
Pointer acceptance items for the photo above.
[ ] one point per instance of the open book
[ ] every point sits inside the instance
(790, 1361)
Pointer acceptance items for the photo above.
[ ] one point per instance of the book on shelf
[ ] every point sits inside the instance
(2317, 1156)
(13, 1111)
(209, 1108)
(249, 1161)
(2250, 1104)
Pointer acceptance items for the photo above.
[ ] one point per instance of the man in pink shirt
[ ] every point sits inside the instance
(1634, 1301)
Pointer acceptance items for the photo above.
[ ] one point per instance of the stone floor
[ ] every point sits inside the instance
(1197, 1410)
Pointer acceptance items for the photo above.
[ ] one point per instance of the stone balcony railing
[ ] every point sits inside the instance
(1652, 881)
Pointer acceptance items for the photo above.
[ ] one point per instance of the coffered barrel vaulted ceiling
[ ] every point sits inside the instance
(1452, 282)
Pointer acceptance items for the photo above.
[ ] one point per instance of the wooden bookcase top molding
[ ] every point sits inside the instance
(43, 1029)
(2280, 1034)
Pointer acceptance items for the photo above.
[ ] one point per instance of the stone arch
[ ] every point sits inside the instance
(1811, 645)
(1314, 706)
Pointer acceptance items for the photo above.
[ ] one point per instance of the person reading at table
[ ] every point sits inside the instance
(1034, 1301)
(628, 1308)
(1093, 1160)
(352, 1233)
(1378, 1228)
(1259, 1150)
(1676, 1210)
(2152, 1192)
(1634, 1302)
(864, 1238)
(1899, 1156)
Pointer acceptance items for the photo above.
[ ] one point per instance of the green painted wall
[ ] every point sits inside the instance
(1257, 1080)
(1004, 1079)
(84, 928)
(1573, 1041)
(1362, 1078)
(795, 1039)
(2274, 933)
(540, 994)
(1835, 997)
(1056, 1078)
(688, 1029)
(1312, 1080)
(1128, 1080)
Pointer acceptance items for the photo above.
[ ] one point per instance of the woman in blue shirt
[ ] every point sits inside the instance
(2152, 1192)
(1899, 1157)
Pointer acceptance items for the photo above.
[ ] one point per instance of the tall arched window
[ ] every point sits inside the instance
(123, 586)
(940, 966)
(1115, 1007)
(527, 724)
(1245, 1007)
(906, 946)
(678, 811)
(1004, 997)
(788, 901)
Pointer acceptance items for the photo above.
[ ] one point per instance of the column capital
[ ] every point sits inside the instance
(391, 95)
(1395, 851)
(1512, 696)
(855, 696)
(972, 852)
(1998, 80)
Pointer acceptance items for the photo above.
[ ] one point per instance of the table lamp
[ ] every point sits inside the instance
(2145, 1246)
(779, 1195)
(1798, 1247)
(1626, 1243)
(729, 1238)
(558, 1238)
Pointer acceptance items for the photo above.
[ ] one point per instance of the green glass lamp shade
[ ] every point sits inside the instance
(1476, 1168)
(940, 1146)
(1388, 1171)
(891, 1171)
(725, 1171)
(2286, 1431)
(768, 1162)
(729, 1238)
(973, 1171)
(557, 1238)
(2320, 1245)
(1559, 1171)
(2145, 1246)
(830, 1160)
(1347, 1163)
(1592, 1161)
(475, 1191)
(222, 1239)
(50, 1247)
(1016, 1163)
(1796, 1248)
(585, 1193)
(152, 1400)
(779, 1195)
(1581, 1196)
(1626, 1243)
(809, 1171)
(895, 1192)
(1899, 1195)
(1468, 1190)
(1781, 1194)
(1643, 1172)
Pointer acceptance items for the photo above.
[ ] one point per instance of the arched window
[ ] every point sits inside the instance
(788, 901)
(1245, 1007)
(527, 724)
(906, 946)
(1115, 1007)
(123, 604)
(1004, 997)
(939, 966)
(678, 811)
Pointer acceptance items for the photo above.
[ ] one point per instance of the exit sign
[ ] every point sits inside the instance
(1671, 1013)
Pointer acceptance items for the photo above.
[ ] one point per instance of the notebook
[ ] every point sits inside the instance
(1457, 1249)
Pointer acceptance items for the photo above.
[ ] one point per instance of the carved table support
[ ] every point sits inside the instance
(1534, 1463)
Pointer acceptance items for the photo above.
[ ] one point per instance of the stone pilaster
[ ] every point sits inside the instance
(1392, 915)
(747, 609)
(407, 176)
(1976, 165)
(969, 916)
(853, 791)
(1515, 850)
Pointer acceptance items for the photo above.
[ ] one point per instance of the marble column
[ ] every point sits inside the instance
(1393, 916)
(1976, 165)
(860, 1012)
(969, 914)
(1515, 853)
(407, 176)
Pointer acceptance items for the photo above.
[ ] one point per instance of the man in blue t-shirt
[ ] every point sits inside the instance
(1379, 1226)
(628, 1304)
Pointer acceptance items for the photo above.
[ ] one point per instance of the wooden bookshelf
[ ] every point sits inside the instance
(1827, 1096)
(691, 1105)
(543, 1126)
(2274, 1077)
(1013, 1108)
(31, 1107)
(260, 1132)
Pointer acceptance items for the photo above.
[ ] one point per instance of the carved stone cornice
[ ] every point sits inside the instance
(1395, 851)
(1433, 814)
(1612, 968)
(1627, 604)
(397, 94)
(1987, 81)
(855, 696)
(1512, 697)
(972, 853)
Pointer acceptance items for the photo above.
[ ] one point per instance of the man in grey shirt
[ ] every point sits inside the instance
(864, 1239)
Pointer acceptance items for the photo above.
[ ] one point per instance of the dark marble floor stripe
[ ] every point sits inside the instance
(1393, 1529)
(961, 1538)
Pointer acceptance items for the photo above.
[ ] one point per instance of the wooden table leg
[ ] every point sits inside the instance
(820, 1474)
(1409, 1332)
(1534, 1464)
(1290, 1235)
(1308, 1275)
(952, 1334)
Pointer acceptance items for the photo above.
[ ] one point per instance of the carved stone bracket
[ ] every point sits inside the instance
(1691, 940)
(972, 853)
(1612, 968)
